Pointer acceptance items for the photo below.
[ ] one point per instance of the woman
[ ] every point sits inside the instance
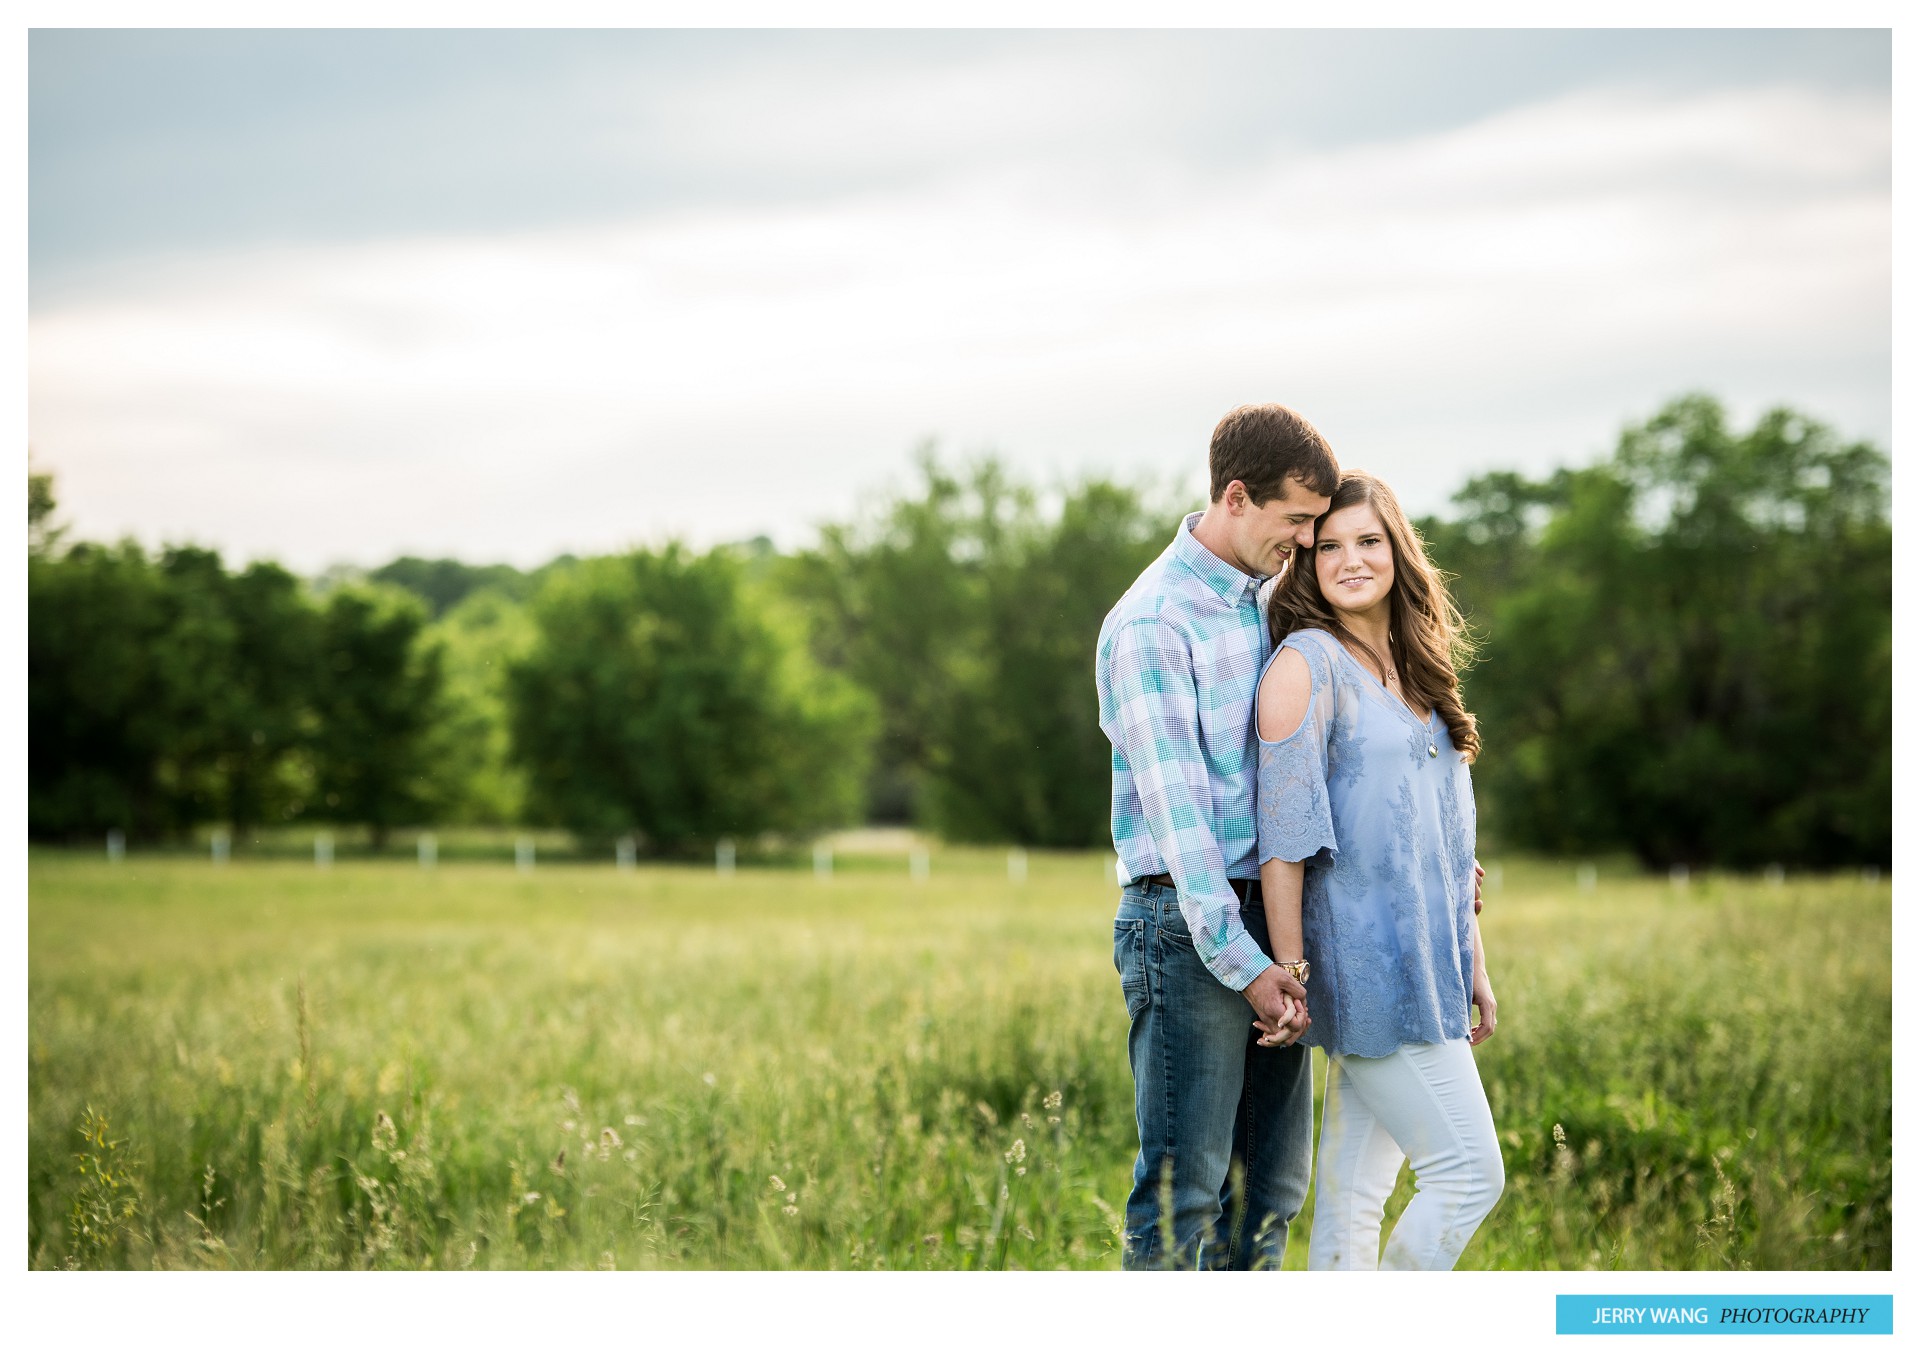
(1366, 825)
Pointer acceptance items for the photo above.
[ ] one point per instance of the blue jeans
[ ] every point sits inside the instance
(1226, 1125)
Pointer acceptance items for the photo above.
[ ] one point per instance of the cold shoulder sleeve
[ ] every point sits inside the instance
(1295, 822)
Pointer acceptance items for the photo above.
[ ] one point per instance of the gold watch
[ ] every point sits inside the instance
(1298, 970)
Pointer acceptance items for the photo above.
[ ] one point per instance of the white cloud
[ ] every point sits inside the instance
(1503, 293)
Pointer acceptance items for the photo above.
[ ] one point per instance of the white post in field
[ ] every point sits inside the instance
(429, 850)
(1016, 865)
(323, 849)
(1678, 876)
(1586, 877)
(1775, 874)
(919, 864)
(1495, 878)
(222, 845)
(624, 851)
(523, 853)
(822, 861)
(116, 845)
(723, 858)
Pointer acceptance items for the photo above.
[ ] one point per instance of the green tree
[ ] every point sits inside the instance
(237, 653)
(971, 614)
(375, 704)
(891, 598)
(477, 781)
(42, 536)
(444, 582)
(1017, 752)
(661, 697)
(1688, 649)
(98, 724)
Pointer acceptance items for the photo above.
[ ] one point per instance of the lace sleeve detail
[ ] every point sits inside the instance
(1295, 820)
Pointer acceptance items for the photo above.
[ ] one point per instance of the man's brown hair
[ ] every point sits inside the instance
(1265, 444)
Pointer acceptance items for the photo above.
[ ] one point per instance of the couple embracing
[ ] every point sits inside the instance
(1292, 806)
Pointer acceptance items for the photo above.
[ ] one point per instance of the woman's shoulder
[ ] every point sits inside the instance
(1309, 637)
(1317, 645)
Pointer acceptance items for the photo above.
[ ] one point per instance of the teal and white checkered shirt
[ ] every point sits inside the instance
(1179, 659)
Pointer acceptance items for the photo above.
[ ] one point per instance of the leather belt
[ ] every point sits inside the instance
(1246, 888)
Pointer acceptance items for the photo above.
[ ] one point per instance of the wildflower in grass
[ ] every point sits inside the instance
(631, 1120)
(774, 1183)
(1018, 1153)
(530, 1198)
(609, 1138)
(384, 1132)
(1024, 1232)
(708, 1079)
(793, 1196)
(789, 1210)
(1052, 1101)
(559, 1164)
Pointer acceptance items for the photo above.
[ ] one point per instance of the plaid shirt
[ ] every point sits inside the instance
(1178, 662)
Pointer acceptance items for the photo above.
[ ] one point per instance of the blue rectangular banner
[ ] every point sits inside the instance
(1671, 1315)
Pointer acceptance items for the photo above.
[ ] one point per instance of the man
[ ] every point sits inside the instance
(1226, 1126)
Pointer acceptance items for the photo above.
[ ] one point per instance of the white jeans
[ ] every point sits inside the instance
(1424, 1104)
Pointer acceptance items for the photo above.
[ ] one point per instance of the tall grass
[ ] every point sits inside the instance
(267, 1065)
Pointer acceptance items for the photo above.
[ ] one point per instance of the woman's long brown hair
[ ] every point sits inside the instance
(1429, 638)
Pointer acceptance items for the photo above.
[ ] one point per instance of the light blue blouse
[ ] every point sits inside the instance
(1387, 832)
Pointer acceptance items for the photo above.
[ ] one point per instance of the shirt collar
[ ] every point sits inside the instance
(1221, 577)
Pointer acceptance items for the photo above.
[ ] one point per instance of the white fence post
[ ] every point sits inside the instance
(1495, 878)
(723, 856)
(919, 864)
(323, 849)
(1016, 865)
(1678, 876)
(1775, 874)
(222, 846)
(624, 850)
(823, 861)
(1586, 877)
(116, 845)
(429, 850)
(523, 853)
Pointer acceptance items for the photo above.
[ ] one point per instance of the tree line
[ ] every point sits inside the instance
(1685, 653)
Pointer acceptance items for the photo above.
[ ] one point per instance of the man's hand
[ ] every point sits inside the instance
(1479, 875)
(1279, 1004)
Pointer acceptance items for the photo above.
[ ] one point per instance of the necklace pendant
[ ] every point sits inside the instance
(1433, 751)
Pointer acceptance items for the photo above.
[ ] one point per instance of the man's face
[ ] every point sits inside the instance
(1268, 533)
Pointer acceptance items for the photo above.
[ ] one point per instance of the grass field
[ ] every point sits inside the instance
(269, 1065)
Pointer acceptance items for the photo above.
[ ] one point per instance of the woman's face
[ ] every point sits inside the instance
(1352, 560)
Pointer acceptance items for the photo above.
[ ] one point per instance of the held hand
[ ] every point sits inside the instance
(1482, 999)
(1280, 1003)
(1479, 875)
(1287, 1032)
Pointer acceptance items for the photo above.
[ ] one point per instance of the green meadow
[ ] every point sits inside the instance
(269, 1065)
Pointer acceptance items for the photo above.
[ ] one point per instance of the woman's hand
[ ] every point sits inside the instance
(1291, 1024)
(1482, 999)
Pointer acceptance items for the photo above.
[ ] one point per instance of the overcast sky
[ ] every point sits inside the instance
(337, 296)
